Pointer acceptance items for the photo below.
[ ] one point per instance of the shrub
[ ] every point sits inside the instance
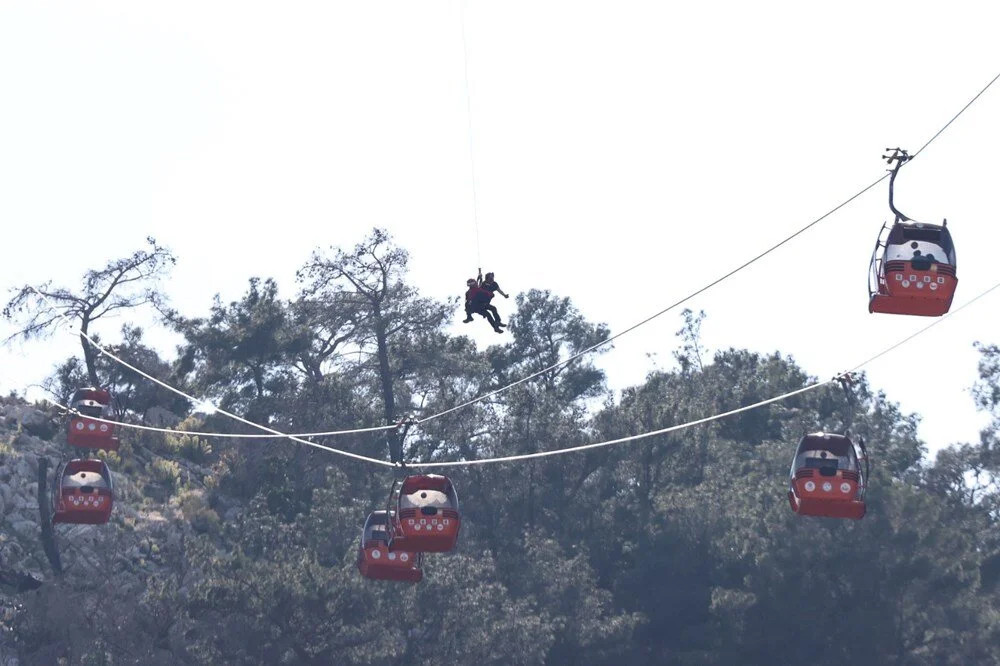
(196, 511)
(191, 447)
(166, 472)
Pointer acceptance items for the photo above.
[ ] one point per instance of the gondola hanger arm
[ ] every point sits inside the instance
(900, 157)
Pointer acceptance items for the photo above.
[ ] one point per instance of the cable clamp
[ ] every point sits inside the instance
(407, 422)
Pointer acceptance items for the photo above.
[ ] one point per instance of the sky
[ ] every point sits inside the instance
(625, 154)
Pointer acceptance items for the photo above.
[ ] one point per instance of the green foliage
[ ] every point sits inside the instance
(678, 549)
(113, 458)
(120, 286)
(195, 509)
(166, 472)
(130, 465)
(987, 389)
(690, 356)
(242, 351)
(134, 394)
(194, 448)
(6, 448)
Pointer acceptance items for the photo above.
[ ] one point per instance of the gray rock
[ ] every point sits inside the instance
(25, 527)
(160, 417)
(23, 471)
(8, 657)
(32, 420)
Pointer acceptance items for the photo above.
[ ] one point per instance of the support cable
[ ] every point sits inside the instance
(583, 447)
(274, 433)
(718, 280)
(650, 318)
(708, 419)
(74, 331)
(955, 117)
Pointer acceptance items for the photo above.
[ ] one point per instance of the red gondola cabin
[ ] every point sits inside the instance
(429, 519)
(826, 478)
(913, 271)
(83, 430)
(84, 493)
(378, 561)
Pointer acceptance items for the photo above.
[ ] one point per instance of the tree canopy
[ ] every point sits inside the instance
(677, 549)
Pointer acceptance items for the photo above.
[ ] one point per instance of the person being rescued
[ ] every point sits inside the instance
(491, 285)
(477, 301)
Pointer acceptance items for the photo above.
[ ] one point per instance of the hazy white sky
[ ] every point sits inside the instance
(626, 152)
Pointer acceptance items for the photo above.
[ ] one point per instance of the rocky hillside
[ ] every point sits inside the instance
(678, 549)
(159, 502)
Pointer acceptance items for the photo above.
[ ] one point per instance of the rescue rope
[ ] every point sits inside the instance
(472, 152)
(714, 282)
(650, 318)
(296, 437)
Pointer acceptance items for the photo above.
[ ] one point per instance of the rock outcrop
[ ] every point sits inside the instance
(143, 543)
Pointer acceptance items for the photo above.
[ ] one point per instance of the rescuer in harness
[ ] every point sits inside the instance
(491, 284)
(477, 301)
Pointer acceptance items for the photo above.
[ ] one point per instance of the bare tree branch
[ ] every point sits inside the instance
(39, 309)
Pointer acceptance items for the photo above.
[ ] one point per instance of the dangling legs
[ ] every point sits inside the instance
(496, 314)
(485, 312)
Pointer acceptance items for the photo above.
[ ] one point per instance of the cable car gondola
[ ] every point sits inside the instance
(380, 561)
(826, 477)
(83, 431)
(428, 515)
(913, 268)
(84, 493)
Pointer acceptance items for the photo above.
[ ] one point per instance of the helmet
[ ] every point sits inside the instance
(470, 282)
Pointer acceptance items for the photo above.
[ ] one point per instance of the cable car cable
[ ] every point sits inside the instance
(200, 433)
(276, 433)
(714, 282)
(661, 312)
(621, 440)
(955, 117)
(75, 332)
(708, 419)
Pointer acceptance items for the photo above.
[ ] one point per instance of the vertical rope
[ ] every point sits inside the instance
(472, 152)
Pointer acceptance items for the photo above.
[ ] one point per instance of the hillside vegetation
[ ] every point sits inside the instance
(679, 549)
